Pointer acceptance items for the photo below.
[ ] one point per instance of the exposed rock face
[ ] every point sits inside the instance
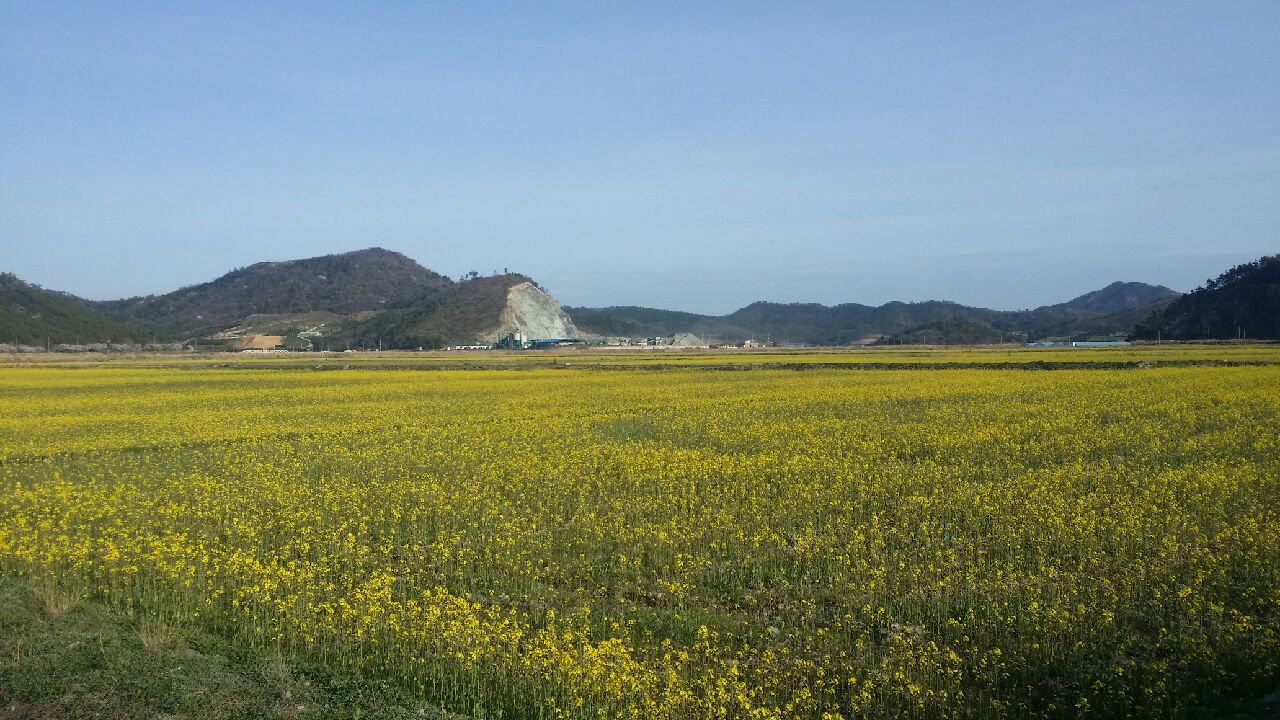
(533, 312)
(685, 339)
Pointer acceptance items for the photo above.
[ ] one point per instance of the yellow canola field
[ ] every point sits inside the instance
(681, 543)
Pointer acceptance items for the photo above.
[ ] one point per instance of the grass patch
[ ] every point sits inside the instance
(156, 636)
(57, 600)
(64, 657)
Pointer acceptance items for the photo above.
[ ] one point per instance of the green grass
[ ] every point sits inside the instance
(65, 657)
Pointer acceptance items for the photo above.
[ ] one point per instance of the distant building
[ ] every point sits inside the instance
(513, 341)
(1100, 343)
(541, 343)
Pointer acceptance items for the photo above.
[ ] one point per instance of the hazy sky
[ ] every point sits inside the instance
(682, 155)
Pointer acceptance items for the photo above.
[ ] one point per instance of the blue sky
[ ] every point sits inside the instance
(683, 155)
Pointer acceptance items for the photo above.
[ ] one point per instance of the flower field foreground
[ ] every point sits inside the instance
(680, 543)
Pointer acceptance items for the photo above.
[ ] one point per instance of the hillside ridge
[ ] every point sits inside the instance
(381, 298)
(1243, 302)
(31, 315)
(1112, 309)
(369, 279)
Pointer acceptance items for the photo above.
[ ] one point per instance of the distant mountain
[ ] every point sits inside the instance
(1241, 302)
(30, 315)
(1119, 297)
(347, 283)
(815, 324)
(1079, 324)
(376, 297)
(366, 298)
(476, 311)
(641, 322)
(1114, 309)
(951, 331)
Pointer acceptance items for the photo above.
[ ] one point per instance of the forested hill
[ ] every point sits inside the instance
(1113, 309)
(1241, 302)
(30, 315)
(377, 297)
(363, 280)
(951, 331)
(1119, 297)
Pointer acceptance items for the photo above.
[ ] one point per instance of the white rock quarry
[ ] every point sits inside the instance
(687, 339)
(533, 312)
